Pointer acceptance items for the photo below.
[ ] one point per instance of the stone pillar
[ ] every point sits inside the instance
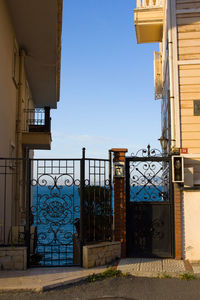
(120, 203)
(177, 221)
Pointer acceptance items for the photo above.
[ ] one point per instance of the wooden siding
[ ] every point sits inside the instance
(188, 26)
(188, 29)
(189, 78)
(187, 4)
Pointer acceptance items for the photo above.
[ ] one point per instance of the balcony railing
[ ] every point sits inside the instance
(37, 120)
(149, 3)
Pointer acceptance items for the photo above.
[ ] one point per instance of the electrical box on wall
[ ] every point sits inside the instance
(177, 169)
(189, 177)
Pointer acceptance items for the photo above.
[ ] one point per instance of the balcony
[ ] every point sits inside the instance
(149, 16)
(37, 128)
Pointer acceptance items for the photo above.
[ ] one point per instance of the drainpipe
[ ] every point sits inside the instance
(19, 135)
(20, 101)
(171, 76)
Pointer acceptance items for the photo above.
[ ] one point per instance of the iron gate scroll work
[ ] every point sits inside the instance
(149, 204)
(55, 210)
(70, 203)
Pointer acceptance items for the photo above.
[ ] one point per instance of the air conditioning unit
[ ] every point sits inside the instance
(158, 80)
(189, 177)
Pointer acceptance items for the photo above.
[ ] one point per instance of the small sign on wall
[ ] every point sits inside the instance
(119, 169)
(184, 150)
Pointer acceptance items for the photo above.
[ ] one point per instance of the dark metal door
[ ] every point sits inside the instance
(149, 205)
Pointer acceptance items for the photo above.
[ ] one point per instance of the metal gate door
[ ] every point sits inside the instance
(149, 205)
(55, 213)
(71, 204)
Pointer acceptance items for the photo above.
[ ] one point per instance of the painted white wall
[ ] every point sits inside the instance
(191, 225)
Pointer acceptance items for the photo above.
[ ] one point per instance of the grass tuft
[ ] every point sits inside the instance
(187, 276)
(166, 276)
(109, 273)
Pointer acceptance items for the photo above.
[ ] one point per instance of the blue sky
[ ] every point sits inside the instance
(107, 86)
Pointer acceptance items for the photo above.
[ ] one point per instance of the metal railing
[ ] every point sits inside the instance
(149, 3)
(12, 187)
(37, 119)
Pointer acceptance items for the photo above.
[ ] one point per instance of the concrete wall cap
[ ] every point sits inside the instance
(12, 248)
(119, 150)
(103, 244)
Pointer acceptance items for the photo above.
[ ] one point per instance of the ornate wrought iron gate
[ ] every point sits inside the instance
(70, 202)
(149, 205)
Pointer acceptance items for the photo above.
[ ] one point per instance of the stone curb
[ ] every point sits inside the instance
(62, 283)
(17, 290)
(156, 274)
(42, 288)
(65, 282)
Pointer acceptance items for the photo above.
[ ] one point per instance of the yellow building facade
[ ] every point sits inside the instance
(30, 57)
(175, 25)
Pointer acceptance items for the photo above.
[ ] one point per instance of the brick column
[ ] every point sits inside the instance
(120, 203)
(177, 221)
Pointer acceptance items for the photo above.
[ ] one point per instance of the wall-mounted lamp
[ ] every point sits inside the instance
(163, 142)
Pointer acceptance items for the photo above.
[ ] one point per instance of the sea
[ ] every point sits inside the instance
(56, 212)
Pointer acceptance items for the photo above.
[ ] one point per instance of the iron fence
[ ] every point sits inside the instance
(12, 200)
(60, 204)
(97, 200)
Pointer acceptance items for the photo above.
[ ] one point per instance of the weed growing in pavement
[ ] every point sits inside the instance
(109, 273)
(126, 274)
(187, 276)
(166, 276)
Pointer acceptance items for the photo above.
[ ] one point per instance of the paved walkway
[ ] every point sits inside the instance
(40, 279)
(152, 267)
